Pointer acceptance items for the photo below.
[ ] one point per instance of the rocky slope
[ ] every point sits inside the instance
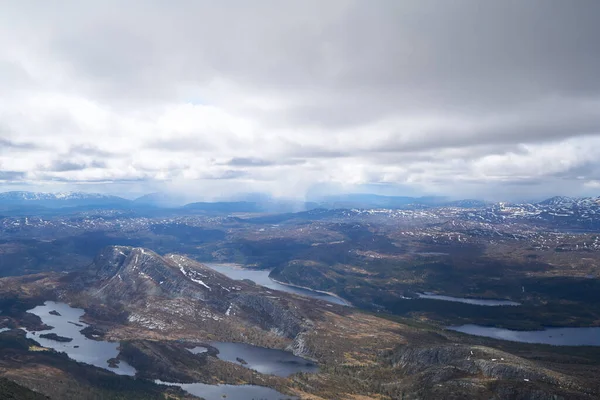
(175, 292)
(481, 371)
(11, 391)
(159, 306)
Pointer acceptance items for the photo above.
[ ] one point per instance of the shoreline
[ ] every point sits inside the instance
(243, 267)
(347, 303)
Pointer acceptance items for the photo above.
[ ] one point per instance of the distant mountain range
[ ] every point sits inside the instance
(365, 200)
(22, 201)
(60, 200)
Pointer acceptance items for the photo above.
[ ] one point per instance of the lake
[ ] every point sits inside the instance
(81, 349)
(553, 336)
(263, 360)
(66, 322)
(229, 392)
(478, 302)
(261, 277)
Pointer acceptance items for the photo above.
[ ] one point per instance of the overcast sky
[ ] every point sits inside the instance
(488, 99)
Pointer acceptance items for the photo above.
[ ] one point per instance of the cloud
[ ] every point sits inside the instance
(427, 96)
(11, 175)
(65, 166)
(9, 144)
(88, 150)
(259, 162)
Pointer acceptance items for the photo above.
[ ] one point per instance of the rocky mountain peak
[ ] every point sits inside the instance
(137, 278)
(135, 273)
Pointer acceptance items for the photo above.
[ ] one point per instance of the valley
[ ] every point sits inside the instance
(346, 303)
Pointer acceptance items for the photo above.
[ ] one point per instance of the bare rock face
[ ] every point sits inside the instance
(269, 314)
(459, 365)
(473, 360)
(126, 274)
(134, 279)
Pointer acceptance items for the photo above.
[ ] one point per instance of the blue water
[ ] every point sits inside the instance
(263, 360)
(478, 302)
(94, 352)
(261, 277)
(553, 336)
(97, 353)
(229, 392)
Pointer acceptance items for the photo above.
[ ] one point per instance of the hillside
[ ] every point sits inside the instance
(158, 306)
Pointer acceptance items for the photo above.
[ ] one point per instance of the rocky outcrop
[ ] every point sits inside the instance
(299, 346)
(460, 364)
(163, 360)
(269, 314)
(12, 390)
(174, 292)
(473, 360)
(125, 274)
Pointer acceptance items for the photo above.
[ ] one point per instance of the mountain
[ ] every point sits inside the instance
(138, 279)
(162, 200)
(557, 201)
(225, 207)
(366, 200)
(261, 206)
(60, 200)
(468, 203)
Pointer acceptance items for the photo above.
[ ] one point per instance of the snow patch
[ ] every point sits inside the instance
(188, 275)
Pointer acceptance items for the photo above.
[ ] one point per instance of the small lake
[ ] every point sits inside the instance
(263, 360)
(229, 392)
(478, 302)
(261, 277)
(553, 336)
(81, 349)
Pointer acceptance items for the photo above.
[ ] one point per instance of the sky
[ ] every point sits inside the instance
(466, 98)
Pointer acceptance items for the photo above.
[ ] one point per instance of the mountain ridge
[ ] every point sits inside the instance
(134, 278)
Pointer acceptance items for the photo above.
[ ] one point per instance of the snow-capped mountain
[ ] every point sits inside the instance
(32, 196)
(59, 200)
(557, 201)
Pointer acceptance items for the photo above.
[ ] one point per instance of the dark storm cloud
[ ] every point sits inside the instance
(369, 59)
(465, 57)
(347, 63)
